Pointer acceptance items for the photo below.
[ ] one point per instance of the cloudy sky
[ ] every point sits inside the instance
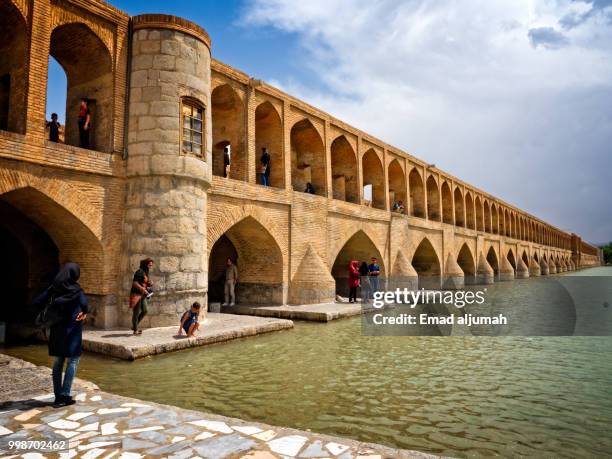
(513, 96)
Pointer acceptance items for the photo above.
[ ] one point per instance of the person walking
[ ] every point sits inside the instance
(353, 280)
(265, 167)
(54, 127)
(373, 273)
(84, 121)
(65, 337)
(365, 281)
(140, 293)
(231, 277)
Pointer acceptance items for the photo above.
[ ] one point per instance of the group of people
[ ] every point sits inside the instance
(363, 275)
(398, 206)
(83, 120)
(265, 163)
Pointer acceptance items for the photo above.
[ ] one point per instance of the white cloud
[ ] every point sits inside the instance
(466, 86)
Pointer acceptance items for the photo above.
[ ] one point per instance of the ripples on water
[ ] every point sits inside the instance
(457, 396)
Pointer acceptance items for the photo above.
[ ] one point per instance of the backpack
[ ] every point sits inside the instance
(50, 314)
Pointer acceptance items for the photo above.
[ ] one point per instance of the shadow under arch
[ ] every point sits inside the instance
(493, 260)
(511, 259)
(426, 263)
(358, 247)
(466, 261)
(258, 258)
(50, 235)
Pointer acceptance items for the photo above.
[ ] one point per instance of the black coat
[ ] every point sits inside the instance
(65, 338)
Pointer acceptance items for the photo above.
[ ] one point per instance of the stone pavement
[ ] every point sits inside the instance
(323, 312)
(103, 425)
(121, 343)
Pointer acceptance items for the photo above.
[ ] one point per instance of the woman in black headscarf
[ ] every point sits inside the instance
(65, 338)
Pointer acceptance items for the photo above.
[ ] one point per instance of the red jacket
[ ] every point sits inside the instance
(353, 279)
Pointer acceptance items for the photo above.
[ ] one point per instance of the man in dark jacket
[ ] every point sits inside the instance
(65, 337)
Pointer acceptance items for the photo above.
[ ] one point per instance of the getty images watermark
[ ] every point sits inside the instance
(546, 306)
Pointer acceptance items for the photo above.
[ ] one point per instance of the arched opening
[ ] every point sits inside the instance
(89, 71)
(258, 258)
(447, 204)
(459, 208)
(417, 194)
(511, 259)
(469, 211)
(397, 187)
(494, 219)
(525, 259)
(515, 227)
(487, 217)
(433, 199)
(493, 261)
(361, 248)
(479, 215)
(373, 175)
(345, 180)
(536, 258)
(427, 265)
(269, 134)
(228, 130)
(13, 69)
(508, 224)
(36, 236)
(502, 222)
(466, 262)
(307, 158)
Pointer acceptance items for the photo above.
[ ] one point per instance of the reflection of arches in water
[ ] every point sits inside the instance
(511, 259)
(493, 261)
(358, 247)
(258, 259)
(466, 262)
(426, 263)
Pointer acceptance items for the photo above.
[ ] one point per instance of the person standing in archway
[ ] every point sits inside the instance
(353, 280)
(364, 281)
(227, 161)
(84, 121)
(265, 167)
(231, 278)
(65, 338)
(140, 294)
(374, 272)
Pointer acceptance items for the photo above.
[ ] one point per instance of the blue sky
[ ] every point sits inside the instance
(512, 96)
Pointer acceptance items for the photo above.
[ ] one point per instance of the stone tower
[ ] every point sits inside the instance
(168, 164)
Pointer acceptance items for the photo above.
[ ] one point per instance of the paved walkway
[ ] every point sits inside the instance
(323, 312)
(103, 425)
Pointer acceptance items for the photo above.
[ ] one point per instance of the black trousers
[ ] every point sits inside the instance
(353, 294)
(83, 134)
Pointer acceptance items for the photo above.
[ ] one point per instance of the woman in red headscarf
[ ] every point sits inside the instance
(353, 280)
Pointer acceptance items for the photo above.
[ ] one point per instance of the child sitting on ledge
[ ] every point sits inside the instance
(189, 320)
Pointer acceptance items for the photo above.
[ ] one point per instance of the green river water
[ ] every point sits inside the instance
(457, 396)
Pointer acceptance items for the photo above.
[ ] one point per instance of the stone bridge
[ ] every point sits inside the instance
(153, 182)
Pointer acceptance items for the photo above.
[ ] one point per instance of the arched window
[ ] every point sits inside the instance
(193, 127)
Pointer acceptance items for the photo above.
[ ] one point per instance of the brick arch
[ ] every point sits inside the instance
(24, 8)
(360, 227)
(64, 194)
(235, 215)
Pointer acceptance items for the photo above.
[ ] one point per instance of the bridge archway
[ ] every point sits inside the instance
(37, 235)
(269, 134)
(345, 179)
(373, 175)
(493, 260)
(417, 194)
(487, 217)
(433, 199)
(459, 208)
(502, 221)
(307, 158)
(89, 70)
(525, 258)
(469, 211)
(13, 68)
(479, 214)
(494, 219)
(465, 260)
(426, 263)
(358, 247)
(258, 258)
(447, 204)
(511, 259)
(397, 185)
(227, 111)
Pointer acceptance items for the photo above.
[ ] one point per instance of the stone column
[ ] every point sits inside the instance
(484, 272)
(454, 278)
(506, 271)
(543, 267)
(552, 267)
(522, 271)
(534, 268)
(165, 215)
